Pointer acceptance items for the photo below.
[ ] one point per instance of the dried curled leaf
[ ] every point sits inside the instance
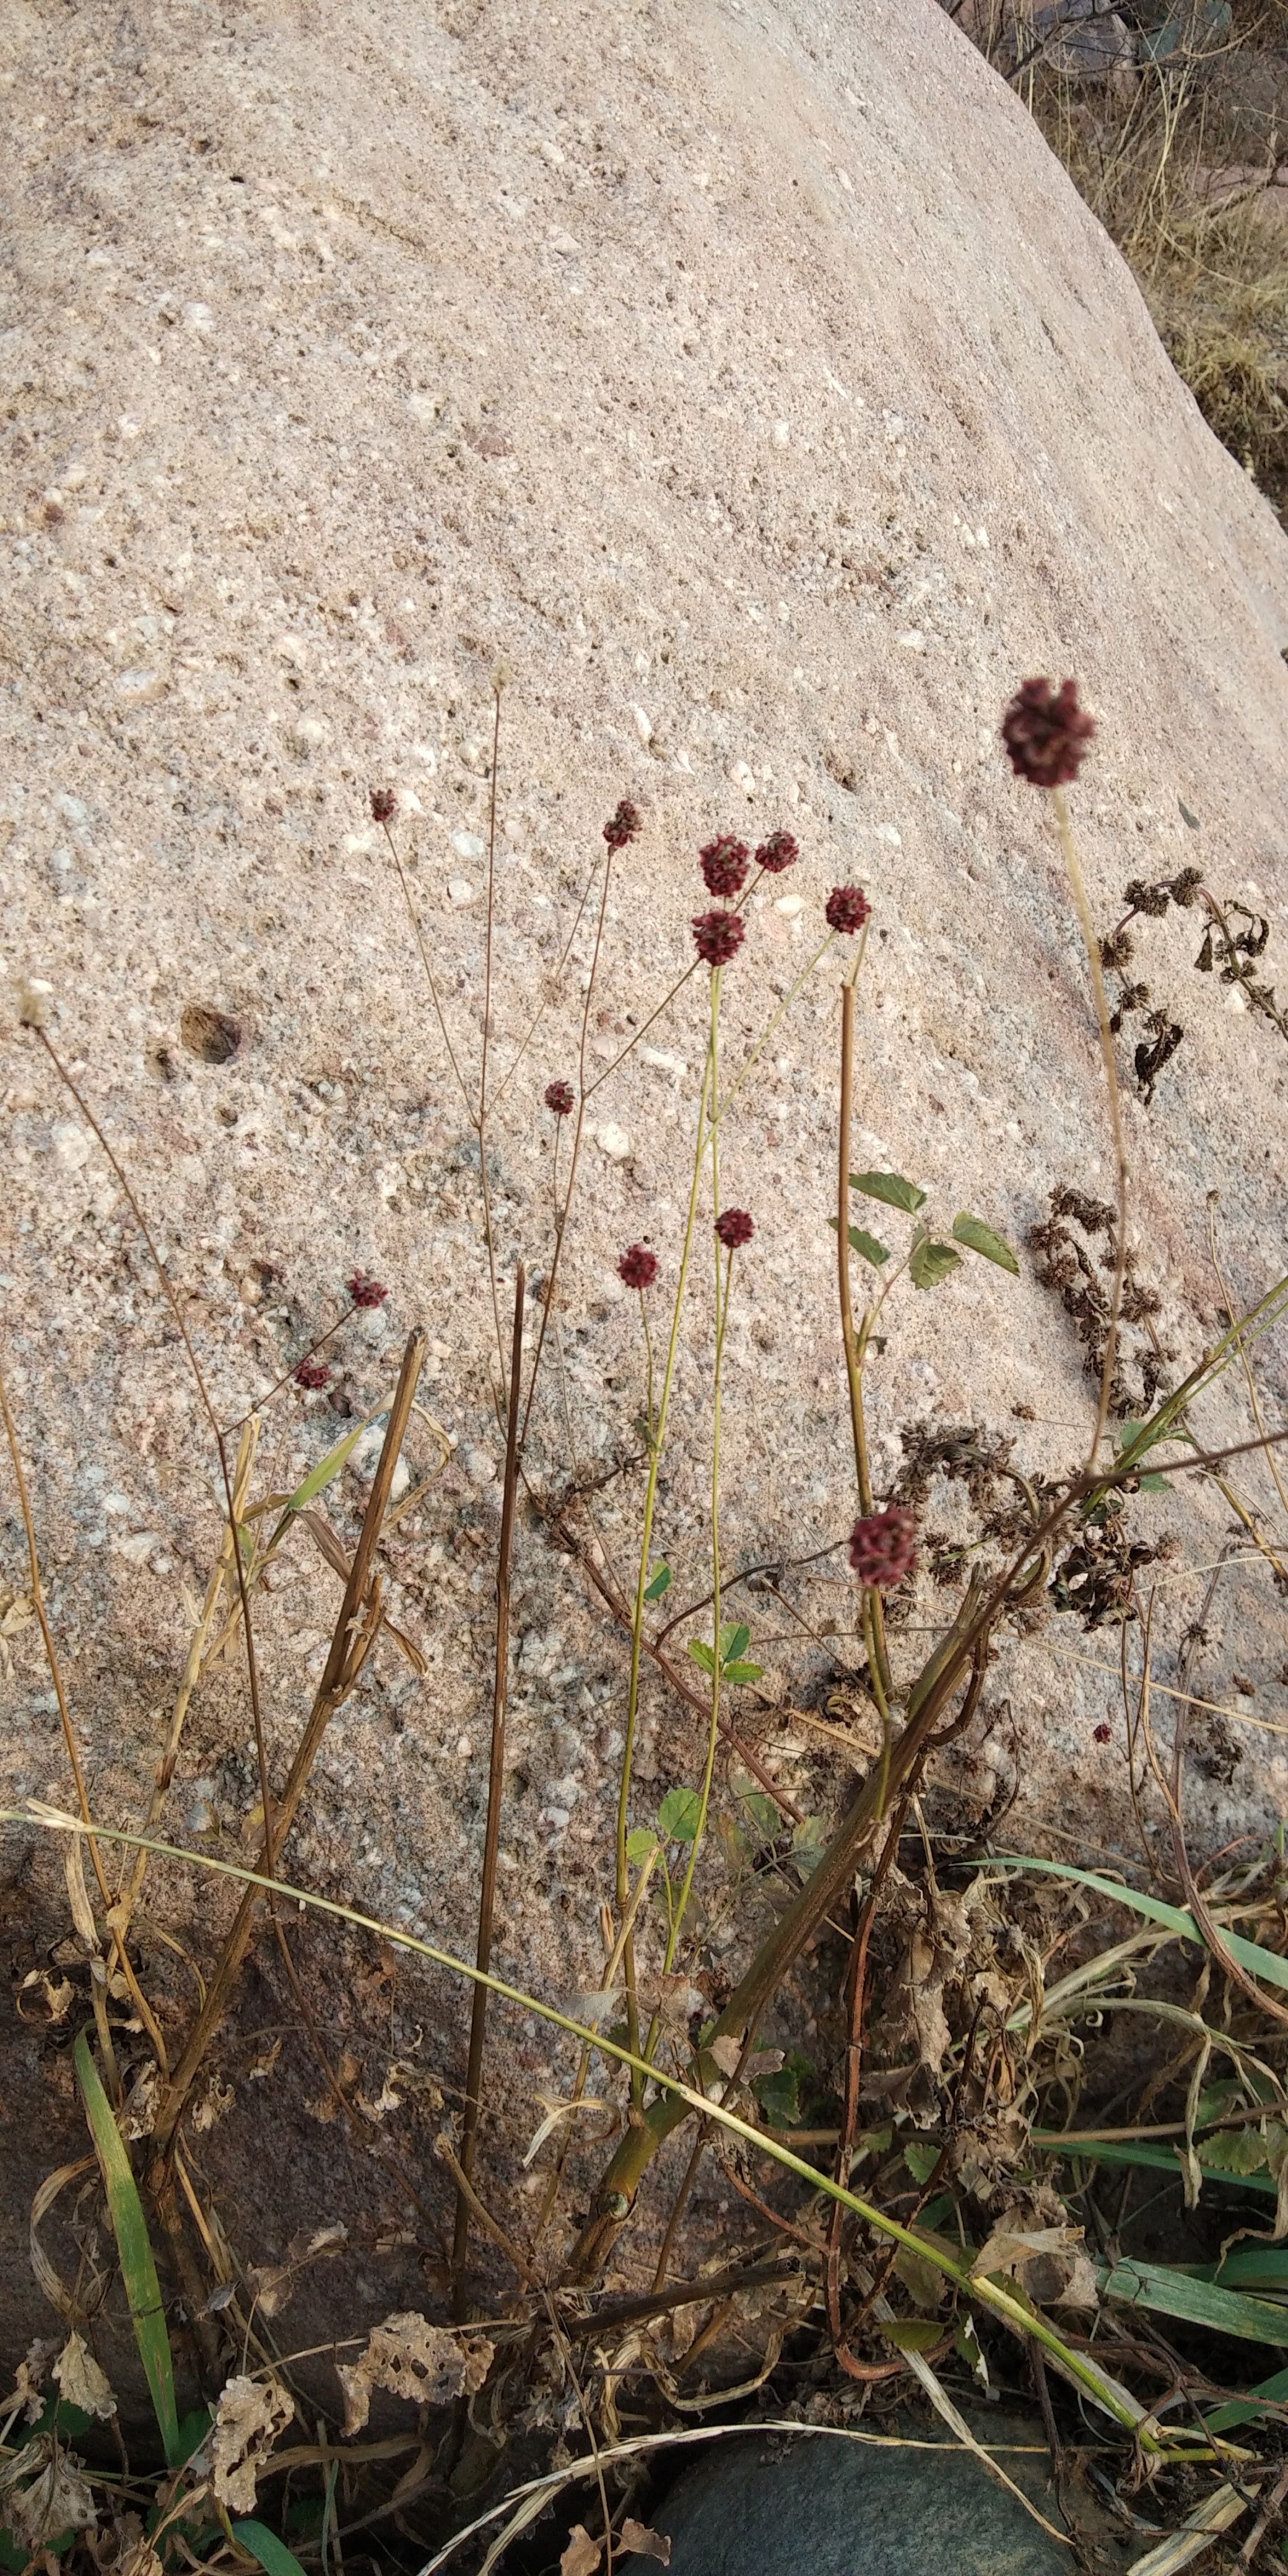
(250, 2415)
(411, 2358)
(639, 2542)
(582, 2555)
(45, 2493)
(82, 2382)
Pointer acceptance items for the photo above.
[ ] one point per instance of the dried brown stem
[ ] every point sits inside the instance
(354, 1635)
(492, 1831)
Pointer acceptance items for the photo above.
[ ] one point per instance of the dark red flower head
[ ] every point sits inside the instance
(734, 1227)
(883, 1548)
(559, 1097)
(1046, 732)
(365, 1291)
(780, 851)
(384, 804)
(724, 864)
(638, 1266)
(718, 936)
(622, 825)
(1102, 1733)
(313, 1374)
(846, 909)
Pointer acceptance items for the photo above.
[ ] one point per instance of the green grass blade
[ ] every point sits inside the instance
(1116, 2151)
(1250, 1955)
(1276, 2387)
(1196, 2303)
(273, 2555)
(138, 2270)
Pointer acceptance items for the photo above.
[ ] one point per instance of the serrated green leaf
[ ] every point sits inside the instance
(866, 1245)
(658, 1584)
(740, 1673)
(734, 1641)
(273, 2555)
(702, 1655)
(679, 1815)
(640, 1845)
(978, 1237)
(133, 2246)
(930, 1263)
(891, 1188)
(1237, 2151)
(920, 2159)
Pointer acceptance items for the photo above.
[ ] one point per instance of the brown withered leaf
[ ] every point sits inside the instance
(82, 2382)
(428, 2364)
(638, 2541)
(582, 2555)
(273, 2283)
(249, 2416)
(45, 2493)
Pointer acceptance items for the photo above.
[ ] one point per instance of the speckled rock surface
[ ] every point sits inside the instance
(833, 2508)
(751, 383)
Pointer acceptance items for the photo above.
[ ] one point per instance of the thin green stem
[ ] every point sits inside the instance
(648, 1368)
(771, 1024)
(722, 1318)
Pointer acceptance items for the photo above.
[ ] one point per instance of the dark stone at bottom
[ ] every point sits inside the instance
(817, 2506)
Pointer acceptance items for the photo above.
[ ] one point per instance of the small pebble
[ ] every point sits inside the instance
(460, 893)
(614, 1142)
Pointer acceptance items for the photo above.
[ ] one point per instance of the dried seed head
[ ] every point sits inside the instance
(883, 1548)
(638, 1266)
(780, 851)
(1185, 887)
(734, 1227)
(384, 804)
(1046, 732)
(724, 865)
(622, 825)
(718, 936)
(1152, 900)
(846, 909)
(312, 1374)
(365, 1291)
(1117, 951)
(559, 1097)
(35, 1000)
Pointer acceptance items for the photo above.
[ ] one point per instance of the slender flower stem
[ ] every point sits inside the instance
(561, 1220)
(855, 1342)
(648, 1359)
(771, 1024)
(713, 1732)
(1091, 944)
(646, 1541)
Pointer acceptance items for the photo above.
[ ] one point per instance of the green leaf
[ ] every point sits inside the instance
(931, 1263)
(760, 1812)
(1274, 2388)
(913, 2334)
(865, 1244)
(658, 1583)
(138, 2270)
(734, 1642)
(809, 1842)
(1112, 2151)
(328, 1468)
(1170, 2293)
(640, 1845)
(920, 2159)
(741, 1673)
(978, 1237)
(679, 1815)
(702, 1655)
(891, 1188)
(1250, 1955)
(273, 2555)
(1237, 2151)
(193, 2429)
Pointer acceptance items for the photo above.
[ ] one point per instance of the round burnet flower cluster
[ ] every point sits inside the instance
(366, 1291)
(637, 1267)
(781, 850)
(1046, 732)
(724, 864)
(846, 910)
(384, 804)
(883, 1548)
(734, 1227)
(312, 1374)
(718, 936)
(623, 824)
(559, 1097)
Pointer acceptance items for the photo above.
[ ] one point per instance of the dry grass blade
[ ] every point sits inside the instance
(1217, 2513)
